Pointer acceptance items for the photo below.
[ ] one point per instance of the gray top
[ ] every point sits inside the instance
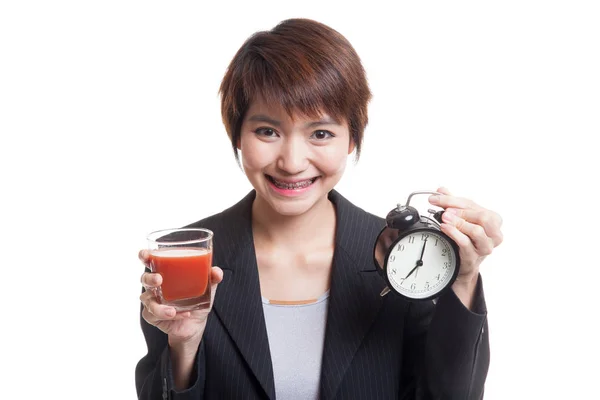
(296, 334)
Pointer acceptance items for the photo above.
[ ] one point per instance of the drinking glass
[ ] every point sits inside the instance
(183, 257)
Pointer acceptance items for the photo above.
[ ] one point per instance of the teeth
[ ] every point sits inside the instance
(297, 185)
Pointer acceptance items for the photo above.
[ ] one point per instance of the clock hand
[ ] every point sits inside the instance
(423, 251)
(419, 262)
(411, 271)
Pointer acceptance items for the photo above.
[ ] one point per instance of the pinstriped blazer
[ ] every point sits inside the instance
(375, 347)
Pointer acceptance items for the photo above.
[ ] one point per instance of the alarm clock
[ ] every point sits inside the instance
(416, 259)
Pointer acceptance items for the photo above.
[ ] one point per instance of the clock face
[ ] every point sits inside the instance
(421, 264)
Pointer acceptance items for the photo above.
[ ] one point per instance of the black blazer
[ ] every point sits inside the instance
(375, 347)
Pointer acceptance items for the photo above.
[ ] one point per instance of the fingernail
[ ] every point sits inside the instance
(435, 199)
(170, 312)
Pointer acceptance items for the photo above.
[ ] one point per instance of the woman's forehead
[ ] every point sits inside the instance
(261, 110)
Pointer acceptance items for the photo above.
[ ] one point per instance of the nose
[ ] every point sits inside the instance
(293, 157)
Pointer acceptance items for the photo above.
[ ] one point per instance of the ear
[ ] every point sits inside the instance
(351, 146)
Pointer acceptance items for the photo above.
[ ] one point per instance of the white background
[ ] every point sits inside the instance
(110, 126)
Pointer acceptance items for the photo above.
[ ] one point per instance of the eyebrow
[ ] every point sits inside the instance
(274, 122)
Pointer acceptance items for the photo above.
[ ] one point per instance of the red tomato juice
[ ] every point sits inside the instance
(185, 272)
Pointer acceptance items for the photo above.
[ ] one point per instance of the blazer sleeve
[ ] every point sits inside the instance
(154, 374)
(446, 349)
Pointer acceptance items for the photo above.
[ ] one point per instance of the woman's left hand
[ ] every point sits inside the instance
(475, 230)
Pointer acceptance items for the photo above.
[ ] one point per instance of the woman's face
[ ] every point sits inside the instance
(292, 163)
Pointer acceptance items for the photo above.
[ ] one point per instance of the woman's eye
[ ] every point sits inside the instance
(267, 132)
(320, 135)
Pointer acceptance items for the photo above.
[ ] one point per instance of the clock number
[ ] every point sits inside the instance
(444, 251)
(436, 241)
(393, 271)
(446, 265)
(424, 236)
(438, 277)
(411, 239)
(400, 247)
(392, 258)
(413, 286)
(426, 285)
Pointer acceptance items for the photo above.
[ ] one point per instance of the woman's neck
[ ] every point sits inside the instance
(272, 227)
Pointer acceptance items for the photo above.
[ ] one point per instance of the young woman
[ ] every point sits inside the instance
(297, 313)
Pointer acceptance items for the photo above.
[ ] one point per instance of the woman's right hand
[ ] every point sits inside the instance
(181, 327)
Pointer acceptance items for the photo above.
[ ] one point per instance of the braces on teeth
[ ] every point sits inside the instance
(298, 185)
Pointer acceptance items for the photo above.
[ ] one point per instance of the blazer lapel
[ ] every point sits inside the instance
(238, 301)
(354, 296)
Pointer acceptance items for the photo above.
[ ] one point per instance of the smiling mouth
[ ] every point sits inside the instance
(291, 186)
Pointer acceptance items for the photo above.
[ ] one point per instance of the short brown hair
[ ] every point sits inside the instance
(302, 65)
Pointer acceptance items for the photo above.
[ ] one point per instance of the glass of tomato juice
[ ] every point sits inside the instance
(183, 257)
